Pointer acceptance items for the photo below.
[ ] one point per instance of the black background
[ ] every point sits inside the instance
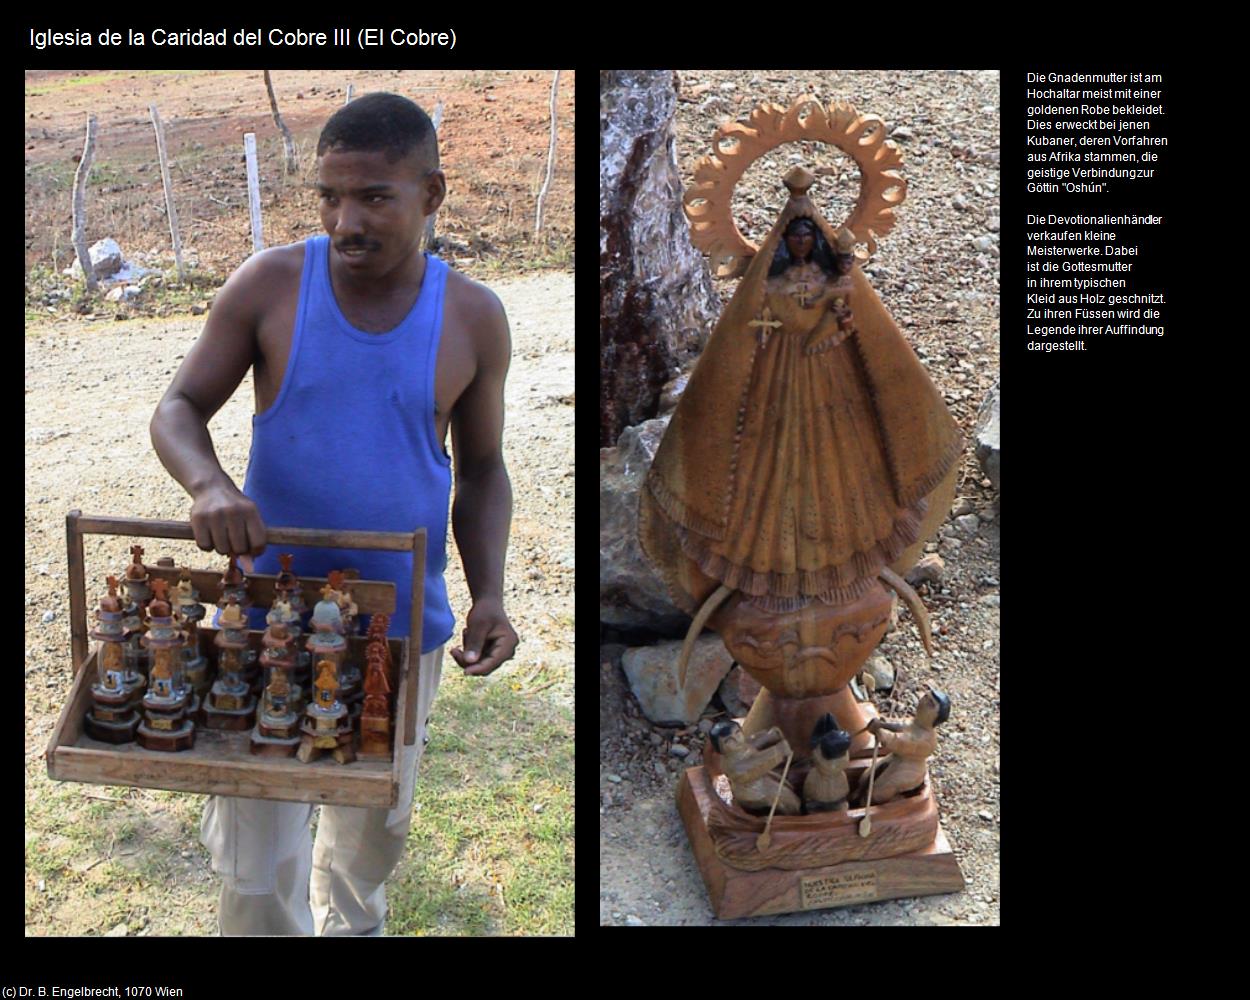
(1109, 509)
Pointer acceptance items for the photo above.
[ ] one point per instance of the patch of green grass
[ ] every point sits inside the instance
(490, 850)
(491, 847)
(111, 173)
(55, 175)
(558, 256)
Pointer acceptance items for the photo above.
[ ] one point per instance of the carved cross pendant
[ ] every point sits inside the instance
(766, 323)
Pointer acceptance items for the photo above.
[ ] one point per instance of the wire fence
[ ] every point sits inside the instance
(125, 198)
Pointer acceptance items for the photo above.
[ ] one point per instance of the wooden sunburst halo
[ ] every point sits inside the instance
(739, 144)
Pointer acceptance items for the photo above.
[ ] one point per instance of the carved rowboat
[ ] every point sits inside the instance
(908, 823)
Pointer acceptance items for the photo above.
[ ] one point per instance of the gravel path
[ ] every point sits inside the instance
(937, 272)
(91, 388)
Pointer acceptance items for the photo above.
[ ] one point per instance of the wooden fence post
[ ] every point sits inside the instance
(349, 94)
(551, 156)
(253, 191)
(80, 214)
(169, 191)
(436, 120)
(292, 166)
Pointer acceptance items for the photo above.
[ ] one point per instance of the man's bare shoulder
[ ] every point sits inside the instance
(477, 314)
(471, 300)
(257, 280)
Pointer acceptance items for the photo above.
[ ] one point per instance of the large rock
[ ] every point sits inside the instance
(738, 691)
(987, 436)
(657, 303)
(106, 259)
(652, 675)
(928, 570)
(882, 671)
(631, 594)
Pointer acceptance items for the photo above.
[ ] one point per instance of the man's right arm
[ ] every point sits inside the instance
(222, 518)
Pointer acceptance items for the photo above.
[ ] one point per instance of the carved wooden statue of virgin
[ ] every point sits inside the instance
(806, 463)
(800, 466)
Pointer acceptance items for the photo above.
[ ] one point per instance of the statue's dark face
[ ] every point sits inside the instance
(800, 243)
(845, 262)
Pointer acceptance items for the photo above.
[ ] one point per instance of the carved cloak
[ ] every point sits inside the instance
(693, 494)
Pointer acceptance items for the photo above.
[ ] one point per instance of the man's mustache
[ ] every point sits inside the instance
(356, 245)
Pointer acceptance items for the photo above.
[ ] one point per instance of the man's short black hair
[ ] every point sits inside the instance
(722, 729)
(385, 123)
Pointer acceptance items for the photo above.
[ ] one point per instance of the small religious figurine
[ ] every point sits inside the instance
(165, 725)
(350, 676)
(112, 717)
(328, 642)
(326, 615)
(375, 716)
(326, 725)
(288, 586)
(277, 723)
(138, 594)
(340, 592)
(189, 612)
(825, 788)
(283, 614)
(748, 763)
(234, 587)
(909, 744)
(288, 608)
(136, 578)
(379, 624)
(230, 703)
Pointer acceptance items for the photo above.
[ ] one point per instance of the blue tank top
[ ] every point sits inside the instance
(349, 444)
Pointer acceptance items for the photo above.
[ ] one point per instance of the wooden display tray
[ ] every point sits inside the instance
(734, 893)
(221, 762)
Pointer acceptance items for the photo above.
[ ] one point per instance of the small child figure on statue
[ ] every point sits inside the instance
(825, 788)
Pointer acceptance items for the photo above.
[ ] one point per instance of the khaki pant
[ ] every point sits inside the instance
(275, 880)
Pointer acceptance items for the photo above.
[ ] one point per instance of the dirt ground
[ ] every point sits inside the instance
(937, 272)
(90, 391)
(493, 140)
(92, 382)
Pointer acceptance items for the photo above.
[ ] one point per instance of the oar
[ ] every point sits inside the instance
(765, 838)
(865, 824)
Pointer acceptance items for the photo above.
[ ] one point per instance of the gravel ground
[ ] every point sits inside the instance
(937, 272)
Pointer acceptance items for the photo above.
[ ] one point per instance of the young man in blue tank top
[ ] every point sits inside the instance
(365, 352)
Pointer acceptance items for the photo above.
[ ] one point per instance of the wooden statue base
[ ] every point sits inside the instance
(926, 871)
(274, 746)
(229, 718)
(170, 740)
(375, 739)
(110, 731)
(341, 748)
